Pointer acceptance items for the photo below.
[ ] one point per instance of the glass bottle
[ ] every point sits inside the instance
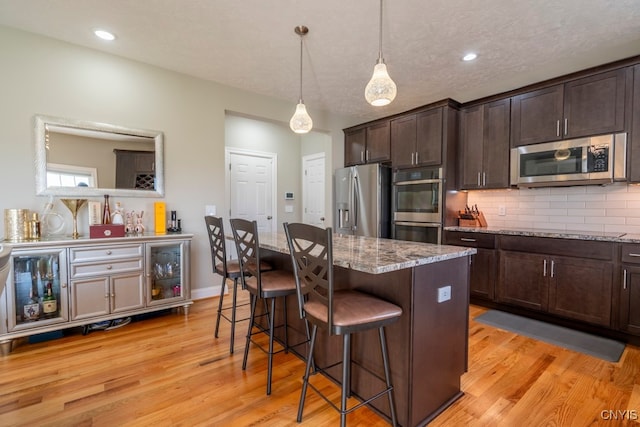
(106, 213)
(49, 302)
(31, 308)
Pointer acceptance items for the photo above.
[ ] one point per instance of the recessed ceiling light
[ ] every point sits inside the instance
(104, 35)
(469, 56)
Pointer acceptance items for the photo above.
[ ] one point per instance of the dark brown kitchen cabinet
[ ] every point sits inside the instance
(367, 144)
(416, 139)
(135, 169)
(583, 107)
(571, 279)
(633, 164)
(630, 289)
(484, 146)
(482, 275)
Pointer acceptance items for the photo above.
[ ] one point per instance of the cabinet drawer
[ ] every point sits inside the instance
(472, 240)
(104, 253)
(630, 253)
(105, 268)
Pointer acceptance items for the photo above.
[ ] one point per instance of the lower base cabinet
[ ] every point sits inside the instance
(64, 283)
(629, 311)
(573, 288)
(483, 268)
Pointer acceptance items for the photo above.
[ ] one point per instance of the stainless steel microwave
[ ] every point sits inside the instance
(594, 160)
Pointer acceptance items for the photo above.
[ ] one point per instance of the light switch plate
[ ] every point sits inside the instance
(288, 208)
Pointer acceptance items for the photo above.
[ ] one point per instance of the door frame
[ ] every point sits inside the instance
(228, 151)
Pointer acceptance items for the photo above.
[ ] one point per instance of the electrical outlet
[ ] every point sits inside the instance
(502, 210)
(444, 293)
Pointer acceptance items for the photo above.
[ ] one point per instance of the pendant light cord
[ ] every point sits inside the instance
(301, 70)
(380, 59)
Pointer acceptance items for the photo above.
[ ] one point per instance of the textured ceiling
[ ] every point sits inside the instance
(251, 44)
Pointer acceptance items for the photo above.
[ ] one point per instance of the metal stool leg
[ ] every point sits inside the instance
(254, 299)
(233, 314)
(387, 375)
(270, 354)
(224, 282)
(305, 379)
(346, 362)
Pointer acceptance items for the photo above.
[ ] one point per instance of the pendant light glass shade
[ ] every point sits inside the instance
(380, 90)
(301, 121)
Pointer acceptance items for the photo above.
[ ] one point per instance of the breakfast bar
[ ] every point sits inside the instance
(427, 346)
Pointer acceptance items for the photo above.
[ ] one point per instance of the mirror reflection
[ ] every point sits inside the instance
(75, 158)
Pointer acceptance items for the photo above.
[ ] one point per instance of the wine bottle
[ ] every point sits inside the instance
(106, 212)
(49, 302)
(31, 308)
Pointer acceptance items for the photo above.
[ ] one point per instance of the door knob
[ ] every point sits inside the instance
(321, 218)
(269, 217)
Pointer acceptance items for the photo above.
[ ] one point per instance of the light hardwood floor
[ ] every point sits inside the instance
(170, 371)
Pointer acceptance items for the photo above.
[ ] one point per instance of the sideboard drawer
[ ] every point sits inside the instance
(102, 268)
(104, 253)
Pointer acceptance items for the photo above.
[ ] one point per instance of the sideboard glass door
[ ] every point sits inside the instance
(37, 289)
(165, 272)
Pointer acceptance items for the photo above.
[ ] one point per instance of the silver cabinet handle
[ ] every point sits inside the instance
(544, 268)
(484, 179)
(366, 157)
(109, 267)
(553, 265)
(412, 156)
(478, 179)
(362, 156)
(416, 157)
(557, 127)
(108, 252)
(624, 279)
(566, 126)
(466, 239)
(633, 254)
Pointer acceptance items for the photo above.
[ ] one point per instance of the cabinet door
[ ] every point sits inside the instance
(168, 281)
(378, 143)
(495, 155)
(90, 297)
(595, 105)
(483, 273)
(471, 141)
(581, 289)
(403, 141)
(522, 280)
(31, 273)
(536, 116)
(354, 146)
(630, 300)
(145, 162)
(429, 137)
(633, 163)
(127, 292)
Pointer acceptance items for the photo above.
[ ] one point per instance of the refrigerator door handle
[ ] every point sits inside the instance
(356, 200)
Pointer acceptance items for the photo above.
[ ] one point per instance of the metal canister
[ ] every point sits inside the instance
(16, 224)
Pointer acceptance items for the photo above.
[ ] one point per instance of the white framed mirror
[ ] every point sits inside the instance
(77, 158)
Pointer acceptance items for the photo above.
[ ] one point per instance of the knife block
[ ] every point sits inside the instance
(477, 221)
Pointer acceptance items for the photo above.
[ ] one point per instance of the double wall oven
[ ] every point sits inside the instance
(417, 205)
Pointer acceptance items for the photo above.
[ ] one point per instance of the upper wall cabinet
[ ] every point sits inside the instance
(367, 144)
(484, 146)
(633, 163)
(584, 107)
(416, 139)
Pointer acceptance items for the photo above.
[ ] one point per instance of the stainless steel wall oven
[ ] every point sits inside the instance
(417, 205)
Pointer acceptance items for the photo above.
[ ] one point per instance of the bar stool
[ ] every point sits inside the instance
(228, 269)
(340, 312)
(266, 285)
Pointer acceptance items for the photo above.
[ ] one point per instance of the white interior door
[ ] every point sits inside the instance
(251, 188)
(313, 184)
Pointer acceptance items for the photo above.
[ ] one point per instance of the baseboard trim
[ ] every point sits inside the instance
(208, 292)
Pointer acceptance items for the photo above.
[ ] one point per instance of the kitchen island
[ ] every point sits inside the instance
(427, 345)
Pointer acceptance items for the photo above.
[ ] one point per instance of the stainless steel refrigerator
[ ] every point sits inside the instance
(362, 200)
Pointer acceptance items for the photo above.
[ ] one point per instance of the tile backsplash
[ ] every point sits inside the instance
(610, 208)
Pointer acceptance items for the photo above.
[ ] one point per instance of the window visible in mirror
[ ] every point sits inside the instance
(59, 175)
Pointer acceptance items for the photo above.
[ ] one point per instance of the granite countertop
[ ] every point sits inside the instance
(558, 234)
(373, 255)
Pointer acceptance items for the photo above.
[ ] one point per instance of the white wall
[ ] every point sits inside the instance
(610, 208)
(45, 76)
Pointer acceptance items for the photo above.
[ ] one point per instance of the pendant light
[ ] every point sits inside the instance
(301, 121)
(380, 90)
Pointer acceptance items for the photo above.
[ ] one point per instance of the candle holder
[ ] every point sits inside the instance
(74, 206)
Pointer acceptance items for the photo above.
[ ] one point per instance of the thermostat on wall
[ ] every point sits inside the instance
(288, 196)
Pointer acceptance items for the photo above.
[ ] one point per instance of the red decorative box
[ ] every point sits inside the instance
(106, 230)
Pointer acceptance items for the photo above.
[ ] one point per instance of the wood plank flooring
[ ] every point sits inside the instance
(170, 371)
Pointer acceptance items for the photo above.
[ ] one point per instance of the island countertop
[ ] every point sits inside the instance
(375, 255)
